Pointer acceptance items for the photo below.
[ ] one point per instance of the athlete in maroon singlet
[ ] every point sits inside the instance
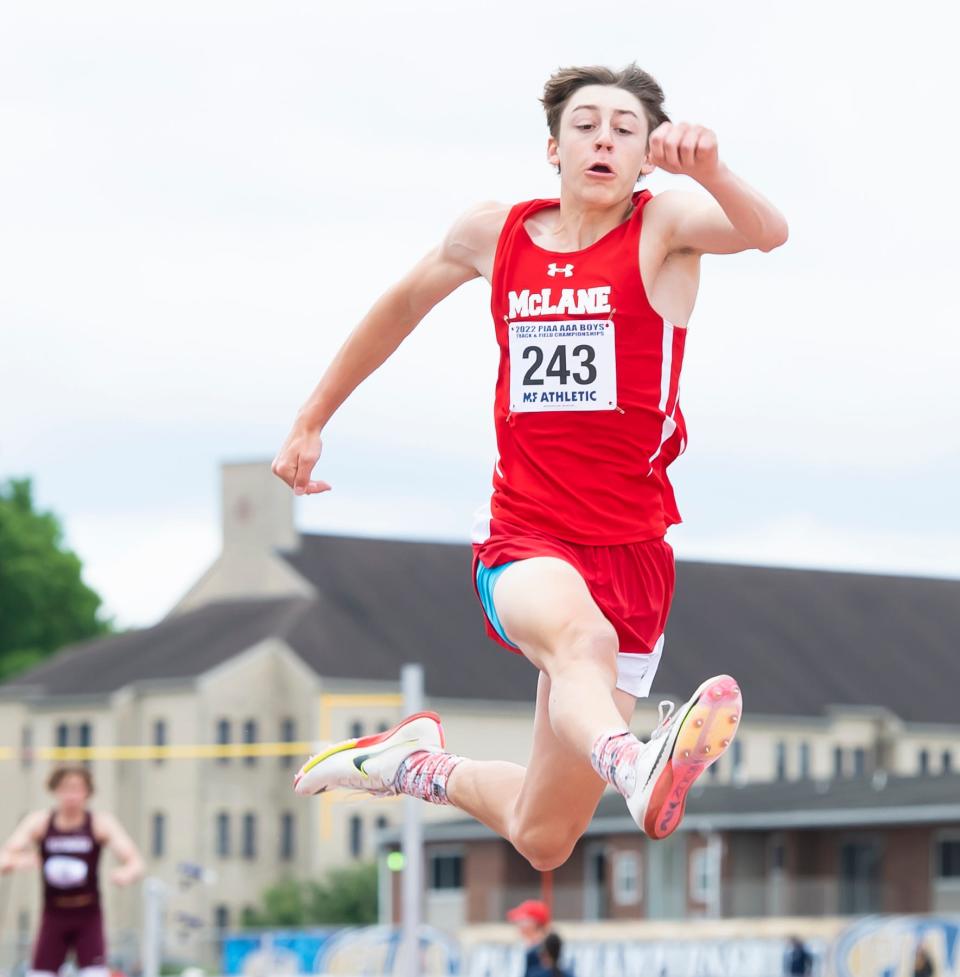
(67, 841)
(591, 294)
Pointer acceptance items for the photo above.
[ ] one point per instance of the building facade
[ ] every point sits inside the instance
(298, 638)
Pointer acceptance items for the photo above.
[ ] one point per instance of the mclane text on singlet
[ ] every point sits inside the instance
(572, 301)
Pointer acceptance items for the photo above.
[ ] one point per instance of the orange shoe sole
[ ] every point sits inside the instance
(705, 734)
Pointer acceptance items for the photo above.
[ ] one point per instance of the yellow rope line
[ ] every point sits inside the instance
(192, 751)
(205, 751)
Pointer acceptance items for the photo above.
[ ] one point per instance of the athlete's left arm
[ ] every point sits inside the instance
(738, 218)
(111, 833)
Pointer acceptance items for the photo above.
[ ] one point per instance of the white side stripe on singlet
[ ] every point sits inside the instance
(480, 532)
(666, 365)
(669, 426)
(666, 370)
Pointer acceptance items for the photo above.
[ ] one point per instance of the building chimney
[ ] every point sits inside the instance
(257, 509)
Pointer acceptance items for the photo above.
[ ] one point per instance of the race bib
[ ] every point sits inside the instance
(64, 872)
(562, 365)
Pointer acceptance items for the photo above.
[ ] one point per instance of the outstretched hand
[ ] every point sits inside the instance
(15, 861)
(124, 876)
(679, 147)
(296, 459)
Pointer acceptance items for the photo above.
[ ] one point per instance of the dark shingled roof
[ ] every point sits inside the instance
(812, 801)
(797, 640)
(790, 804)
(177, 648)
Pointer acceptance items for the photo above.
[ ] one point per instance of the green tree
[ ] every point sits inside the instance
(44, 603)
(345, 897)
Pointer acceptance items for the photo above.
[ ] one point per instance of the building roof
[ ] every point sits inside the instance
(772, 806)
(180, 647)
(797, 640)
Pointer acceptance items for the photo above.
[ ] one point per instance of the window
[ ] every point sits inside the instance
(63, 735)
(781, 760)
(287, 827)
(446, 871)
(923, 761)
(85, 740)
(249, 738)
(249, 835)
(714, 769)
(626, 878)
(26, 747)
(703, 875)
(356, 836)
(947, 859)
(737, 758)
(859, 761)
(288, 734)
(159, 736)
(158, 835)
(947, 762)
(356, 729)
(804, 761)
(223, 834)
(223, 738)
(382, 823)
(221, 918)
(837, 762)
(382, 727)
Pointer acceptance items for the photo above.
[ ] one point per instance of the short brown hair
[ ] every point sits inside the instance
(58, 775)
(565, 81)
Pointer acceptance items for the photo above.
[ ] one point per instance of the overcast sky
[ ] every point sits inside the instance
(199, 200)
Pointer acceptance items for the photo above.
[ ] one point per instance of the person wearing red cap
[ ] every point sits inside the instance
(531, 917)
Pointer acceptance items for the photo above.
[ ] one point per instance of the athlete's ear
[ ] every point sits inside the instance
(553, 153)
(647, 167)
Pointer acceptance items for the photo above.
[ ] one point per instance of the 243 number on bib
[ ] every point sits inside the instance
(562, 366)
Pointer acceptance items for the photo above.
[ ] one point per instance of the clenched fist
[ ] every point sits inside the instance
(296, 459)
(679, 147)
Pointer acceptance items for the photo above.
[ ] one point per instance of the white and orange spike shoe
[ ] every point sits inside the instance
(370, 763)
(683, 745)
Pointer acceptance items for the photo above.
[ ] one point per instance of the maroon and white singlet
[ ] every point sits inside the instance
(72, 918)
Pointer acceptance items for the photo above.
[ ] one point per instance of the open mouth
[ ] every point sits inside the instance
(601, 169)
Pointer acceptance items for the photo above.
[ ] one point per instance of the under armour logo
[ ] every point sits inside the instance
(553, 270)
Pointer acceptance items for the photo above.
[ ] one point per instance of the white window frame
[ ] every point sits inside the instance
(703, 869)
(627, 874)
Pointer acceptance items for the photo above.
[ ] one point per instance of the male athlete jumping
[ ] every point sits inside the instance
(591, 296)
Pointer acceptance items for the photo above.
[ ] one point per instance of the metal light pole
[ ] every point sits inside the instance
(411, 685)
(154, 894)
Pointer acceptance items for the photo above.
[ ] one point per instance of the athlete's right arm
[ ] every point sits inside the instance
(19, 851)
(466, 253)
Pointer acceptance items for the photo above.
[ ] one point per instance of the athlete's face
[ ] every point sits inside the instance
(601, 147)
(72, 794)
(530, 930)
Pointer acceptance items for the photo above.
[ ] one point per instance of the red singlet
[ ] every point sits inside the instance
(587, 412)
